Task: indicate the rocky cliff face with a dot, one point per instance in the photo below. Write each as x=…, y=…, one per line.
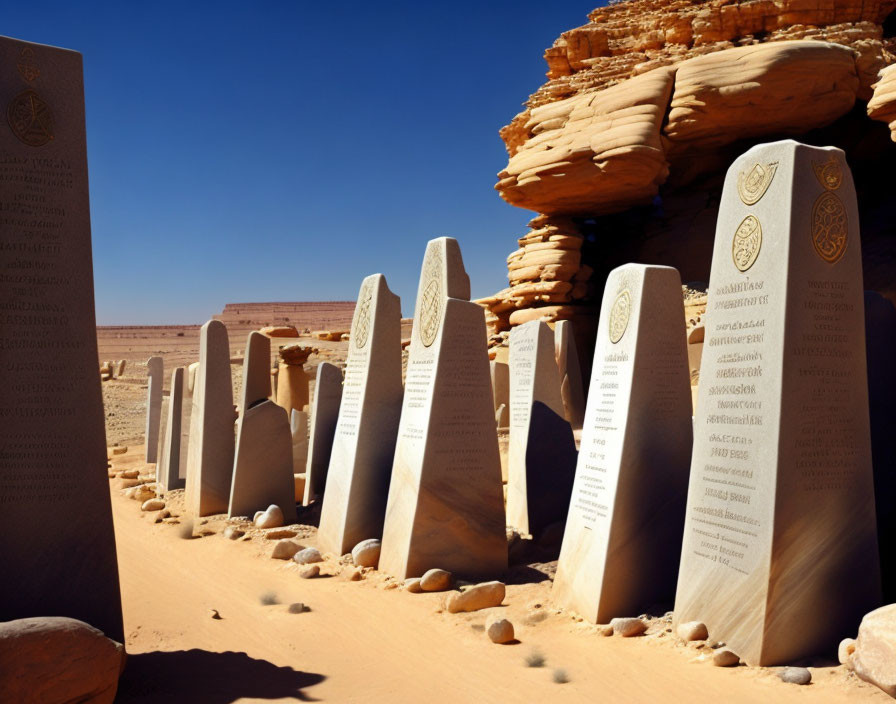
x=623, y=150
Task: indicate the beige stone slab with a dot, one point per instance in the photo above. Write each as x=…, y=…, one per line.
x=541, y=454
x=500, y=375
x=168, y=471
x=57, y=549
x=298, y=427
x=262, y=466
x=446, y=501
x=155, y=372
x=622, y=541
x=324, y=415
x=256, y=371
x=572, y=390
x=210, y=457
x=357, y=485
x=780, y=512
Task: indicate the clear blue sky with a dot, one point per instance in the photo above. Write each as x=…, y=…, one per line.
x=265, y=151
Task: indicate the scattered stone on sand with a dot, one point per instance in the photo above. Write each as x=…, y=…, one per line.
x=152, y=505
x=213, y=613
x=725, y=658
x=280, y=534
x=309, y=571
x=57, y=659
x=280, y=331
x=845, y=650
x=412, y=585
x=692, y=630
x=141, y=493
x=128, y=483
x=308, y=556
x=435, y=580
x=795, y=675
x=129, y=473
x=233, y=533
x=874, y=659
x=356, y=575
x=479, y=596
x=285, y=549
x=119, y=450
x=628, y=627
x=366, y=553
x=605, y=630
x=272, y=517
x=296, y=608
x=499, y=630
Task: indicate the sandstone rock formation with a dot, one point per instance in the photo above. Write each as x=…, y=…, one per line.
x=882, y=105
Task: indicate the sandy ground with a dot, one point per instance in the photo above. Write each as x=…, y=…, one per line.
x=369, y=641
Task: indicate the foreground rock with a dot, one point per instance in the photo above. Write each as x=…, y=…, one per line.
x=435, y=580
x=366, y=553
x=692, y=630
x=308, y=556
x=628, y=627
x=285, y=549
x=272, y=517
x=796, y=675
x=500, y=630
x=479, y=596
x=55, y=659
x=874, y=659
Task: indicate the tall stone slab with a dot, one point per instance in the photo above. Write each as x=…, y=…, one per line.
x=572, y=391
x=542, y=451
x=168, y=470
x=155, y=372
x=780, y=555
x=298, y=427
x=357, y=485
x=210, y=456
x=501, y=392
x=446, y=498
x=622, y=541
x=256, y=371
x=262, y=467
x=58, y=547
x=324, y=415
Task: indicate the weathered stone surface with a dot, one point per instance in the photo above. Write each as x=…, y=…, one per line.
x=307, y=556
x=796, y=675
x=366, y=553
x=271, y=517
x=155, y=371
x=499, y=630
x=874, y=651
x=357, y=485
x=285, y=550
x=324, y=415
x=168, y=471
x=542, y=453
x=723, y=657
x=622, y=541
x=479, y=596
x=766, y=551
x=572, y=388
x=57, y=660
x=58, y=548
x=435, y=580
x=309, y=571
x=628, y=627
x=210, y=458
x=882, y=105
x=152, y=505
x=279, y=331
x=845, y=651
x=692, y=630
x=446, y=506
x=256, y=371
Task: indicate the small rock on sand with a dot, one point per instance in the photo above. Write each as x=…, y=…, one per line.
x=628, y=627
x=308, y=556
x=725, y=658
x=233, y=533
x=119, y=450
x=412, y=585
x=479, y=596
x=845, y=650
x=356, y=575
x=692, y=630
x=130, y=474
x=499, y=630
x=435, y=580
x=296, y=608
x=606, y=630
x=285, y=549
x=213, y=613
x=153, y=505
x=309, y=571
x=280, y=534
x=366, y=553
x=795, y=675
x=272, y=517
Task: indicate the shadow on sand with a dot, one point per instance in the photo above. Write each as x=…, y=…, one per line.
x=193, y=676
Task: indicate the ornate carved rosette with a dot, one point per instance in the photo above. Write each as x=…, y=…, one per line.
x=746, y=243
x=30, y=119
x=431, y=298
x=753, y=184
x=361, y=326
x=830, y=225
x=619, y=315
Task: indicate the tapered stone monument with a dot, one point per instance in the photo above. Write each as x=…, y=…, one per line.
x=155, y=372
x=501, y=392
x=58, y=546
x=324, y=414
x=542, y=451
x=446, y=498
x=572, y=391
x=622, y=541
x=298, y=427
x=256, y=371
x=168, y=470
x=210, y=457
x=357, y=485
x=780, y=554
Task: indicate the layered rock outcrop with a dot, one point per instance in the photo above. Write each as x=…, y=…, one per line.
x=622, y=150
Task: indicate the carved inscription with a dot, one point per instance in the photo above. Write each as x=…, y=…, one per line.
x=619, y=315
x=746, y=243
x=830, y=225
x=361, y=330
x=431, y=302
x=753, y=184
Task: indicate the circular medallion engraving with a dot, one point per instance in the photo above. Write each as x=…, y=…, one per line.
x=829, y=173
x=30, y=119
x=747, y=243
x=361, y=327
x=830, y=228
x=752, y=185
x=431, y=298
x=619, y=315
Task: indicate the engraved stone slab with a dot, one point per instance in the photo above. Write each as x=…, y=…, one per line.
x=571, y=389
x=168, y=470
x=256, y=371
x=155, y=372
x=58, y=546
x=324, y=414
x=500, y=374
x=542, y=451
x=622, y=541
x=446, y=499
x=262, y=467
x=210, y=457
x=357, y=485
x=780, y=521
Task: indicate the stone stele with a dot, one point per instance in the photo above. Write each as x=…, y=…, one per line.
x=168, y=470
x=542, y=450
x=256, y=371
x=324, y=414
x=446, y=499
x=298, y=427
x=58, y=545
x=210, y=456
x=622, y=541
x=572, y=391
x=357, y=485
x=155, y=372
x=779, y=558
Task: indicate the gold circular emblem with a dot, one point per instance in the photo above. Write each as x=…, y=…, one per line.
x=830, y=227
x=829, y=173
x=30, y=119
x=619, y=315
x=431, y=298
x=747, y=243
x=751, y=186
x=361, y=327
